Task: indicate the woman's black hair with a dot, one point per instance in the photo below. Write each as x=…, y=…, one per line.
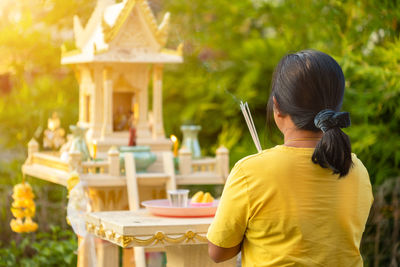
x=309, y=86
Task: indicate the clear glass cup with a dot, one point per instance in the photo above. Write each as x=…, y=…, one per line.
x=178, y=198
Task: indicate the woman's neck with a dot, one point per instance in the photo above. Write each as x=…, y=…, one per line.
x=295, y=137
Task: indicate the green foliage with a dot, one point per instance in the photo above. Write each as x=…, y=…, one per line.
x=21, y=109
x=235, y=45
x=229, y=47
x=56, y=248
x=31, y=34
x=380, y=244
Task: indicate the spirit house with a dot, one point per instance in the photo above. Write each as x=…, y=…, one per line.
x=117, y=53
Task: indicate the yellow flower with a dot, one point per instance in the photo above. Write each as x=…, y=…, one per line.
x=18, y=203
x=28, y=203
x=23, y=206
x=23, y=190
x=23, y=203
x=29, y=225
x=23, y=227
x=16, y=225
x=18, y=213
x=30, y=212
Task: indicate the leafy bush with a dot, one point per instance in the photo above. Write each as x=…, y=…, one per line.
x=56, y=248
x=31, y=34
x=235, y=45
x=380, y=244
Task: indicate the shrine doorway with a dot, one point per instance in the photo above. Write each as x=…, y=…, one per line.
x=123, y=110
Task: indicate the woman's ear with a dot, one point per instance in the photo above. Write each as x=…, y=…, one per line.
x=276, y=108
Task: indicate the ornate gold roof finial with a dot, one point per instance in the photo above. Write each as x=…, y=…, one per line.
x=163, y=29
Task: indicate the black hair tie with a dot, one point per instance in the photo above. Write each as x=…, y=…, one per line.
x=328, y=119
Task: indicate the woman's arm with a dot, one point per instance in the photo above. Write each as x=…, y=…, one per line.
x=220, y=254
x=227, y=230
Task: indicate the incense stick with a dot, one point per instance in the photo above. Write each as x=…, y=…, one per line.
x=254, y=127
x=250, y=124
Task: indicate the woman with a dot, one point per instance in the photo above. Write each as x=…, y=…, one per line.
x=306, y=202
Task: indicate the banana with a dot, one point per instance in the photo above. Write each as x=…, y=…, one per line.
x=207, y=198
x=198, y=197
x=201, y=197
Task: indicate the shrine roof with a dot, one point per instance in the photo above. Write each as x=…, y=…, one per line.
x=125, y=32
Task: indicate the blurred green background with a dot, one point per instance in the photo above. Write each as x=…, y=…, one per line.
x=228, y=46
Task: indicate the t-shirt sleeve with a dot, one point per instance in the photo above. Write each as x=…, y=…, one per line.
x=230, y=222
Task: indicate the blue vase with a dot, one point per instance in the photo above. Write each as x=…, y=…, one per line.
x=142, y=155
x=190, y=141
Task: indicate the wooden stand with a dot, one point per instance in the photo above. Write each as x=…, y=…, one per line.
x=182, y=238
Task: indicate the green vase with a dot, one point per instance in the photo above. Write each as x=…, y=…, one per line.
x=142, y=155
x=79, y=141
x=190, y=140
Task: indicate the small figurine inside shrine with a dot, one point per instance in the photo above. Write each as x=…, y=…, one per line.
x=54, y=134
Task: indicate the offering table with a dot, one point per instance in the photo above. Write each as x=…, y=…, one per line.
x=184, y=239
x=107, y=187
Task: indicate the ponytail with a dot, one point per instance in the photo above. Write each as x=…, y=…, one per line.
x=333, y=151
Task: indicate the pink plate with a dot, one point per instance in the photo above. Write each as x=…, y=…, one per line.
x=195, y=204
x=161, y=207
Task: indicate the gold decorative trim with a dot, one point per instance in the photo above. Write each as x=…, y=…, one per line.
x=91, y=24
x=110, y=32
x=158, y=238
x=150, y=19
x=101, y=51
x=170, y=52
x=162, y=31
x=50, y=163
x=65, y=53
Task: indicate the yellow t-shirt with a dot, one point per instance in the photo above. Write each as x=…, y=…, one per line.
x=291, y=212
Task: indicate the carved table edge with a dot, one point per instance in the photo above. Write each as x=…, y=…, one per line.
x=159, y=238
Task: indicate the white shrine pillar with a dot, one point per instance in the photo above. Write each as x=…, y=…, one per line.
x=97, y=102
x=81, y=104
x=158, y=125
x=142, y=128
x=108, y=102
x=81, y=95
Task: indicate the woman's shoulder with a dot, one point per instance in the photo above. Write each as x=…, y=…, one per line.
x=255, y=157
x=262, y=159
x=359, y=173
x=247, y=168
x=359, y=167
x=278, y=154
